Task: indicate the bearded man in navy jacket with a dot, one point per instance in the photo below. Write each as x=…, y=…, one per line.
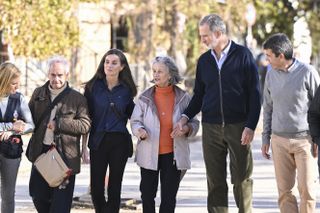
x=227, y=93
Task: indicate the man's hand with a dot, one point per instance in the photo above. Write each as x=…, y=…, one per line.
x=176, y=132
x=5, y=135
x=314, y=150
x=183, y=121
x=247, y=136
x=265, y=151
x=85, y=155
x=51, y=125
x=178, y=128
x=85, y=151
x=142, y=134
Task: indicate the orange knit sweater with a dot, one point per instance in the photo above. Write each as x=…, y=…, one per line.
x=164, y=100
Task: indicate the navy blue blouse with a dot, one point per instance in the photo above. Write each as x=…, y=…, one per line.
x=104, y=116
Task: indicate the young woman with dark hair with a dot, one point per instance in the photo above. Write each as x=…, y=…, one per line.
x=110, y=95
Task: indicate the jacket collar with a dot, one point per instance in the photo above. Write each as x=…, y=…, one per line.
x=45, y=88
x=148, y=95
x=210, y=58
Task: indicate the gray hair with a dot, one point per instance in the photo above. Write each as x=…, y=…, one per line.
x=172, y=68
x=58, y=59
x=214, y=22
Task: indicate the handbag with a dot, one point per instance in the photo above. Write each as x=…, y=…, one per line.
x=12, y=147
x=52, y=167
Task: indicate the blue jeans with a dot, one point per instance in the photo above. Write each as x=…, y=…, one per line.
x=8, y=171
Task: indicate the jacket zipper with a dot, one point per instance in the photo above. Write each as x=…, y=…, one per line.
x=221, y=100
x=220, y=84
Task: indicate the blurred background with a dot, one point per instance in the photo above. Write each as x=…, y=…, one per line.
x=83, y=30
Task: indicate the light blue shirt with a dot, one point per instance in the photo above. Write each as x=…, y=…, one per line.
x=223, y=56
x=26, y=114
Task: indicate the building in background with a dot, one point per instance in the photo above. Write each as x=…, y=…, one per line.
x=302, y=41
x=95, y=39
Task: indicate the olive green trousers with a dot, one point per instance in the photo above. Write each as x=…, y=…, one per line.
x=218, y=142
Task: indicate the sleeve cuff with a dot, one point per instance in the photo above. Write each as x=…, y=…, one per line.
x=8, y=126
x=184, y=115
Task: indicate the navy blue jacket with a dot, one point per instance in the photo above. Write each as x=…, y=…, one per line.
x=230, y=95
x=104, y=118
x=13, y=104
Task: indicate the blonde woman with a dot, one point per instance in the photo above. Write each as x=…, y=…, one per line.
x=15, y=119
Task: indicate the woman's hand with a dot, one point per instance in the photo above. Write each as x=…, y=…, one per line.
x=85, y=155
x=51, y=125
x=5, y=135
x=19, y=126
x=142, y=134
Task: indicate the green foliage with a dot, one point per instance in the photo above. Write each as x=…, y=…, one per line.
x=45, y=27
x=39, y=28
x=279, y=16
x=91, y=1
x=161, y=31
x=311, y=11
x=273, y=16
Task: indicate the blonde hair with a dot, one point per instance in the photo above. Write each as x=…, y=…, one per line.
x=8, y=72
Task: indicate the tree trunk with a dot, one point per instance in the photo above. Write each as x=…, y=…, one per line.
x=4, y=54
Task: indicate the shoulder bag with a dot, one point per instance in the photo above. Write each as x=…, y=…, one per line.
x=52, y=166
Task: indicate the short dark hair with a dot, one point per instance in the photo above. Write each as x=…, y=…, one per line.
x=279, y=43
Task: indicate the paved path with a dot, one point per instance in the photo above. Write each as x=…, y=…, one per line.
x=192, y=193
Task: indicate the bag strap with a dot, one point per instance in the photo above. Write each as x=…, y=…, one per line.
x=115, y=109
x=51, y=106
x=58, y=143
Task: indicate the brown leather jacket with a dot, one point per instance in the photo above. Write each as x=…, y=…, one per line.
x=72, y=122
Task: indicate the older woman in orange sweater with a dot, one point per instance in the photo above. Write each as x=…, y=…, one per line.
x=160, y=151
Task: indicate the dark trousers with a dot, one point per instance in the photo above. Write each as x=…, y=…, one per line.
x=112, y=153
x=47, y=199
x=218, y=141
x=169, y=179
x=319, y=159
